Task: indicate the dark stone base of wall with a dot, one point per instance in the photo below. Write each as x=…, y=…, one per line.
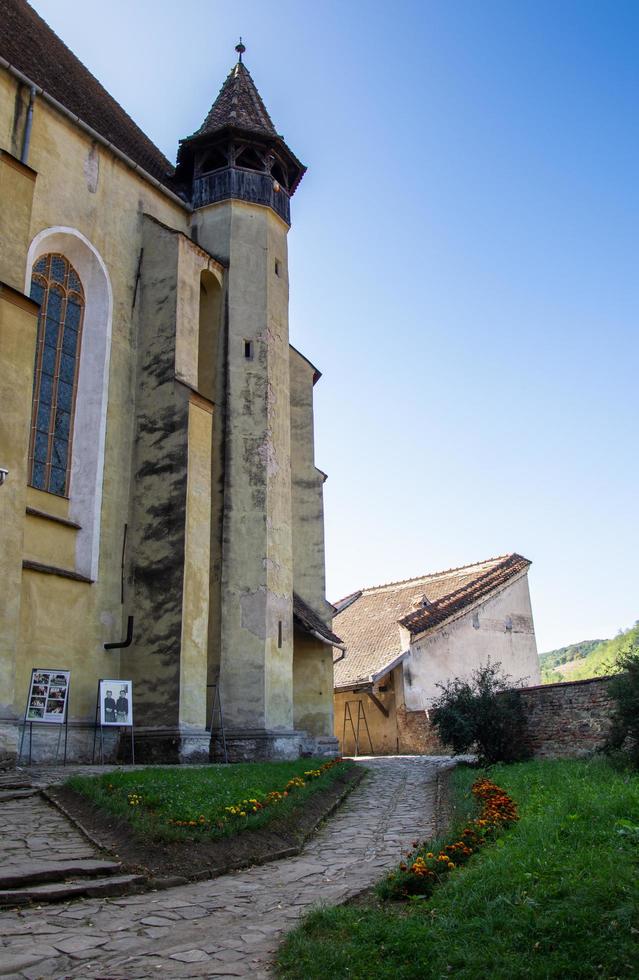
x=45, y=744
x=258, y=745
x=167, y=746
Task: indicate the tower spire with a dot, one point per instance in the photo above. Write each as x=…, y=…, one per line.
x=237, y=153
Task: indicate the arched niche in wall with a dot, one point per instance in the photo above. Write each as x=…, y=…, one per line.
x=209, y=336
x=87, y=457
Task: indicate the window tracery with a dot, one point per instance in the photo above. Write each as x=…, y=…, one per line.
x=56, y=286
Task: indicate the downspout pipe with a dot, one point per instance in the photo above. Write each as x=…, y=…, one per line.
x=123, y=643
x=26, y=139
x=341, y=656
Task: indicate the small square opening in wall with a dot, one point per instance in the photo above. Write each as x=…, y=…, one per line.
x=248, y=350
x=278, y=267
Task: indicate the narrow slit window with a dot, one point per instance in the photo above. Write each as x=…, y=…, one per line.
x=278, y=268
x=248, y=350
x=279, y=634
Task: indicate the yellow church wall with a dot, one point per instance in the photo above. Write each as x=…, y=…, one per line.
x=195, y=601
x=47, y=503
x=159, y=488
x=312, y=685
x=49, y=542
x=80, y=185
x=192, y=262
x=72, y=640
x=17, y=183
x=18, y=324
x=8, y=89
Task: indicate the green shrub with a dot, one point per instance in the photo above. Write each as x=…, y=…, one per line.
x=624, y=689
x=483, y=714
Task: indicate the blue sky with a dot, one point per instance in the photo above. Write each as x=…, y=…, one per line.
x=463, y=265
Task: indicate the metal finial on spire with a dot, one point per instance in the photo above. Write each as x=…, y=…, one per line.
x=240, y=48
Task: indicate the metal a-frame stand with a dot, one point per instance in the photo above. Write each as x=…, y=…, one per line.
x=217, y=706
x=356, y=724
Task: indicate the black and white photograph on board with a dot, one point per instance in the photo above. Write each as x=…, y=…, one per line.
x=116, y=702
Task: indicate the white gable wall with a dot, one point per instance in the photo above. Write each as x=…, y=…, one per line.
x=500, y=629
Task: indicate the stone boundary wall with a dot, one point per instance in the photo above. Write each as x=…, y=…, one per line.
x=416, y=735
x=568, y=719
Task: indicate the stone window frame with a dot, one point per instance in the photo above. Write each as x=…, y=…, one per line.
x=87, y=458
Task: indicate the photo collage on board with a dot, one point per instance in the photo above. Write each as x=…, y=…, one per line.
x=48, y=694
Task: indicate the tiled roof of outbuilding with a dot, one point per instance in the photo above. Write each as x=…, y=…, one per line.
x=308, y=619
x=239, y=104
x=28, y=44
x=370, y=622
x=436, y=612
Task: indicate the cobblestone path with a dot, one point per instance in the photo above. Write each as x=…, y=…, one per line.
x=34, y=831
x=232, y=925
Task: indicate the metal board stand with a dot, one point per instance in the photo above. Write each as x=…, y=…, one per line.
x=217, y=706
x=356, y=725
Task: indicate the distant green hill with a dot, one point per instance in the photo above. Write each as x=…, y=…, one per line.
x=590, y=658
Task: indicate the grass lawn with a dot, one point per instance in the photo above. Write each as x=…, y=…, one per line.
x=557, y=895
x=180, y=802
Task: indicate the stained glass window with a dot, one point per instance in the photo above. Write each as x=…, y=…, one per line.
x=56, y=286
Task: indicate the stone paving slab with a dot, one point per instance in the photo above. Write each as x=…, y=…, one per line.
x=17, y=875
x=232, y=925
x=35, y=832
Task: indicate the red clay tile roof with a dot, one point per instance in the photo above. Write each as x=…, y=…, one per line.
x=29, y=44
x=305, y=617
x=369, y=621
x=436, y=612
x=238, y=104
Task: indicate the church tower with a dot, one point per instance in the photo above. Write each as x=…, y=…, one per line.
x=239, y=176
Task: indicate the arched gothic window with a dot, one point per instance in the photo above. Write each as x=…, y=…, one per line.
x=56, y=286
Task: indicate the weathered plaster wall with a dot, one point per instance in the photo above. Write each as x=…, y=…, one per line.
x=307, y=491
x=312, y=660
x=17, y=185
x=256, y=673
x=383, y=730
x=312, y=685
x=79, y=185
x=195, y=611
x=500, y=629
x=18, y=324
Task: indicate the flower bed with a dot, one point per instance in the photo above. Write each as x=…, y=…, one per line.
x=179, y=803
x=423, y=870
x=238, y=812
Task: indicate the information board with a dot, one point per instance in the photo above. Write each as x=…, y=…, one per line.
x=48, y=698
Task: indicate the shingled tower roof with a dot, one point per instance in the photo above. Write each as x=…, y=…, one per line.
x=238, y=138
x=240, y=105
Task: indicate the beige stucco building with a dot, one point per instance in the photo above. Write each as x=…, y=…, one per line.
x=405, y=638
x=156, y=424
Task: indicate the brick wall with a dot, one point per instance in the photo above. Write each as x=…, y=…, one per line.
x=569, y=719
x=415, y=734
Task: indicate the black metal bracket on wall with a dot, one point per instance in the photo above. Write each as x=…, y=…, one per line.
x=123, y=643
